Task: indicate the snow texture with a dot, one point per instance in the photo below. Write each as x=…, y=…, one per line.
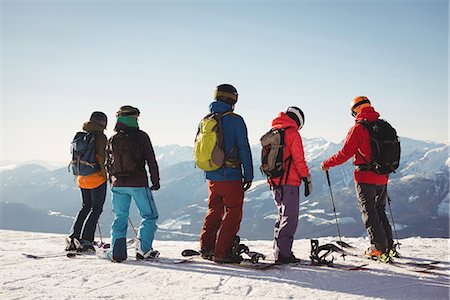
x=88, y=277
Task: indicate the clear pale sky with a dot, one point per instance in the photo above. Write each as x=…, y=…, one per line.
x=61, y=60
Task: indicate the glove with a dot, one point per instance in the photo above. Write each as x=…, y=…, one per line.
x=246, y=185
x=308, y=185
x=322, y=166
x=155, y=187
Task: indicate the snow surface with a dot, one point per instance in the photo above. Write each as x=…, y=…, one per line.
x=90, y=278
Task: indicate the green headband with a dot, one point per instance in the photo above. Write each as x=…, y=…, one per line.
x=129, y=121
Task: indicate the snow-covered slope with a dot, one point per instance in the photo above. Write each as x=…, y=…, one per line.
x=90, y=278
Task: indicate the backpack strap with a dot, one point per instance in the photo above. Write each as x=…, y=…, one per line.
x=82, y=162
x=108, y=159
x=289, y=160
x=367, y=166
x=229, y=162
x=220, y=114
x=287, y=170
x=218, y=117
x=234, y=163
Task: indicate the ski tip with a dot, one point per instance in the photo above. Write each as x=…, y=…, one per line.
x=189, y=252
x=362, y=267
x=344, y=244
x=31, y=256
x=182, y=261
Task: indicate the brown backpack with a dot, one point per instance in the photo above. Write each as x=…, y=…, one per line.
x=125, y=154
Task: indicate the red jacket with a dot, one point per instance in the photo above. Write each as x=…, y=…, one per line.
x=358, y=138
x=294, y=146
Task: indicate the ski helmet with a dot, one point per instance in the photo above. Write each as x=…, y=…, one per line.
x=297, y=115
x=99, y=118
x=226, y=93
x=358, y=103
x=128, y=110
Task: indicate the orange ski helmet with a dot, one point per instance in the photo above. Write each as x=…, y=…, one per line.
x=358, y=103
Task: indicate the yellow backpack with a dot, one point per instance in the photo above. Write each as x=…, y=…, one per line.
x=208, y=147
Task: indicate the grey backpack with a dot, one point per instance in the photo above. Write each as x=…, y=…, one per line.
x=272, y=163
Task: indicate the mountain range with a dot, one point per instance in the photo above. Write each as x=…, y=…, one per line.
x=35, y=198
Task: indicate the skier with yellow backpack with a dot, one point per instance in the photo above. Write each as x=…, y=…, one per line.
x=222, y=150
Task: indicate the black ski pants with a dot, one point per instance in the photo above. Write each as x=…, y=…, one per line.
x=372, y=202
x=92, y=206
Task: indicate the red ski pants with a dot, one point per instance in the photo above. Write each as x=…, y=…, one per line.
x=224, y=216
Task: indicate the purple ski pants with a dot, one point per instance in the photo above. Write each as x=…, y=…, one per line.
x=287, y=200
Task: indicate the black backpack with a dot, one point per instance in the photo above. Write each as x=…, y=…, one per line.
x=272, y=163
x=83, y=148
x=125, y=154
x=385, y=146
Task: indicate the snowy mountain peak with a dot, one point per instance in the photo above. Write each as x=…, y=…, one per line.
x=433, y=161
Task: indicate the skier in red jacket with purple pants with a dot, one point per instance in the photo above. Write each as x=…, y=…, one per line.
x=286, y=189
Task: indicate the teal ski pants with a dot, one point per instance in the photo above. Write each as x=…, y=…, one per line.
x=121, y=200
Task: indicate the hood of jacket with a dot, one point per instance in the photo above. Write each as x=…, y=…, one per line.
x=92, y=127
x=220, y=107
x=284, y=121
x=367, y=113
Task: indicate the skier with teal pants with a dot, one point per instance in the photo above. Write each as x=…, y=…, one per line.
x=129, y=150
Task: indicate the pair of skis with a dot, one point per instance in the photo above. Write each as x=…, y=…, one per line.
x=423, y=266
x=69, y=254
x=78, y=251
x=432, y=267
x=251, y=263
x=254, y=263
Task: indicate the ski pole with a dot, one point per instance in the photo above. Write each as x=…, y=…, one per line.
x=134, y=230
x=334, y=210
x=100, y=232
x=393, y=222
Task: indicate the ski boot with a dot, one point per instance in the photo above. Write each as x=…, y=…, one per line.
x=231, y=259
x=235, y=256
x=87, y=246
x=393, y=252
x=375, y=254
x=150, y=254
x=114, y=259
x=291, y=259
x=73, y=244
x=207, y=254
x=140, y=255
